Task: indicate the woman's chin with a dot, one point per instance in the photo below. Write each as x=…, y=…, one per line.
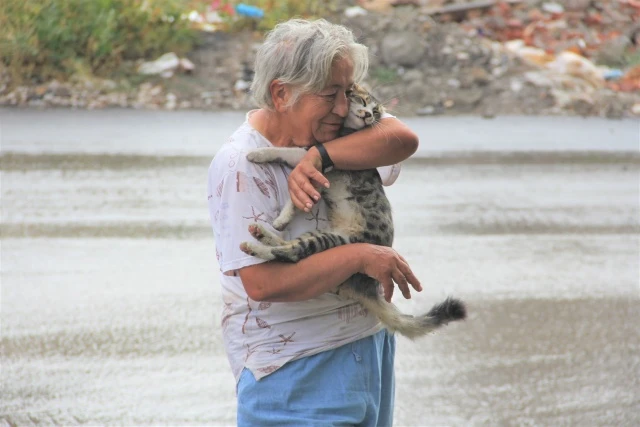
x=328, y=135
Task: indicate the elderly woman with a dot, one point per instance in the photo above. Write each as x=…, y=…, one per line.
x=302, y=355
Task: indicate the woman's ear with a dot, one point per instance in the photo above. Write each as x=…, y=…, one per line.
x=280, y=95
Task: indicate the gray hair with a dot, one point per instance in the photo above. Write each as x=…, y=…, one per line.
x=301, y=53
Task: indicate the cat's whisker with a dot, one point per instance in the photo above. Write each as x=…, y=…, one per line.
x=380, y=127
x=393, y=103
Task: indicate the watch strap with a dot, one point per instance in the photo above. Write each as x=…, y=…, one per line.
x=327, y=163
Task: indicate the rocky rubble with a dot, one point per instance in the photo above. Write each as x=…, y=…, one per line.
x=422, y=62
x=432, y=66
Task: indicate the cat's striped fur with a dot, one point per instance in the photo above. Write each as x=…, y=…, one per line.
x=358, y=212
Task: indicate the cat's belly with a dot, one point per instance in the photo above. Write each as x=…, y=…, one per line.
x=344, y=211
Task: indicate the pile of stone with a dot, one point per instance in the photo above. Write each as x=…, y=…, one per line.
x=603, y=31
x=431, y=67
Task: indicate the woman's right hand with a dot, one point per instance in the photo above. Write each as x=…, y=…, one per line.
x=304, y=179
x=387, y=266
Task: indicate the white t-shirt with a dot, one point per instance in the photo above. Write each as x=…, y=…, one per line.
x=263, y=336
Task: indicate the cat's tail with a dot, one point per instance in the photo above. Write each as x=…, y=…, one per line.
x=450, y=310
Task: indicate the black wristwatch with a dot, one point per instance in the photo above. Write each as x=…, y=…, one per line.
x=327, y=163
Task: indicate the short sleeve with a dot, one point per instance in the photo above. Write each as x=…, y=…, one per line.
x=240, y=197
x=389, y=174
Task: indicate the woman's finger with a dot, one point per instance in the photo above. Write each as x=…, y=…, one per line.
x=298, y=202
x=400, y=279
x=303, y=192
x=317, y=178
x=309, y=189
x=387, y=287
x=408, y=274
x=304, y=201
x=413, y=280
x=298, y=196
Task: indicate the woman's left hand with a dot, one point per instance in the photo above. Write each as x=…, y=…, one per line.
x=304, y=179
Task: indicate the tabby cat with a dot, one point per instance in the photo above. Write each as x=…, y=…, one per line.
x=358, y=212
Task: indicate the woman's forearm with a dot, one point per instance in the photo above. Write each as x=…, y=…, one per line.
x=387, y=143
x=308, y=278
x=325, y=271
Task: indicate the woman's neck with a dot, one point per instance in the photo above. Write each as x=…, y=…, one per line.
x=272, y=126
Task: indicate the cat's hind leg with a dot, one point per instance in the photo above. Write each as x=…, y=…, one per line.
x=267, y=241
x=297, y=249
x=258, y=250
x=264, y=236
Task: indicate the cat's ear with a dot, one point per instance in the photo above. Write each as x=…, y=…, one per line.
x=280, y=95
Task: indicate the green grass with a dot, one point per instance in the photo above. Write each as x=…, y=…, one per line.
x=44, y=39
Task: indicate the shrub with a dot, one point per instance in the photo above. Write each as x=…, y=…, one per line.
x=384, y=75
x=44, y=39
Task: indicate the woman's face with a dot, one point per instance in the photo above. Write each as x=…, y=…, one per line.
x=317, y=118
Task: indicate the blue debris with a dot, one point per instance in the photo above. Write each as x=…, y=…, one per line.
x=250, y=11
x=612, y=74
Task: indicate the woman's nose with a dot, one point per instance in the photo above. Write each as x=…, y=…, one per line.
x=341, y=107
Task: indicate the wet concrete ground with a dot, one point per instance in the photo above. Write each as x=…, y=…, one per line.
x=110, y=304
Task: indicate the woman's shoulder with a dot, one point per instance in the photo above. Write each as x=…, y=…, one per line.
x=232, y=156
x=244, y=138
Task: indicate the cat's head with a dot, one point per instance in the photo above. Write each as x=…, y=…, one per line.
x=364, y=109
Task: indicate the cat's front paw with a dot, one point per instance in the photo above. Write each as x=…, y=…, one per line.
x=285, y=217
x=259, y=155
x=280, y=224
